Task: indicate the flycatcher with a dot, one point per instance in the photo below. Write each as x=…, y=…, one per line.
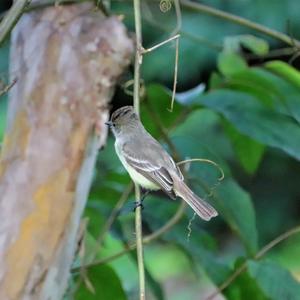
x=148, y=163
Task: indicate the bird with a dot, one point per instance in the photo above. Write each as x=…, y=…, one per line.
x=149, y=164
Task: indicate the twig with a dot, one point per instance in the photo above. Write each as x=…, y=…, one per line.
x=136, y=103
x=259, y=255
x=139, y=243
x=178, y=17
x=160, y=44
x=5, y=89
x=240, y=21
x=204, y=160
x=196, y=38
x=176, y=37
x=175, y=75
x=11, y=18
x=113, y=216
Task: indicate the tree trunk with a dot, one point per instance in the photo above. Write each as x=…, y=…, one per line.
x=67, y=60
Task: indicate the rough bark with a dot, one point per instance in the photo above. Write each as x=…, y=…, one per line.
x=67, y=60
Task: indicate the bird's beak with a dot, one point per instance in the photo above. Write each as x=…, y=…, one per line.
x=109, y=123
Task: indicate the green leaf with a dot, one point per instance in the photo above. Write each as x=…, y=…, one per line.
x=253, y=119
x=157, y=104
x=215, y=80
x=203, y=126
x=200, y=246
x=244, y=287
x=272, y=90
x=284, y=70
x=105, y=283
x=235, y=205
x=276, y=282
x=232, y=202
x=200, y=137
x=253, y=82
x=255, y=44
x=251, y=42
x=249, y=151
x=230, y=63
x=287, y=94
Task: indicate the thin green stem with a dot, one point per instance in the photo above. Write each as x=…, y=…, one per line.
x=178, y=17
x=138, y=56
x=136, y=103
x=139, y=243
x=240, y=21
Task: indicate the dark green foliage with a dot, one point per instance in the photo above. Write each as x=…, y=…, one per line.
x=245, y=287
x=276, y=282
x=105, y=285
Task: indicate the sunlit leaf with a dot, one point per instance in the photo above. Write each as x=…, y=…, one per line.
x=249, y=151
x=285, y=70
x=256, y=45
x=230, y=63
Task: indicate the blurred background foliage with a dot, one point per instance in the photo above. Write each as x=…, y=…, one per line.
x=238, y=104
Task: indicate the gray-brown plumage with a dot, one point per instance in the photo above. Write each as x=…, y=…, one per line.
x=149, y=164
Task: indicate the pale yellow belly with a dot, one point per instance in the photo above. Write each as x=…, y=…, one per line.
x=136, y=176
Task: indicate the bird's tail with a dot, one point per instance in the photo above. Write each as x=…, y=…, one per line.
x=201, y=207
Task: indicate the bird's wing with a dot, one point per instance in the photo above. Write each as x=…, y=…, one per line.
x=153, y=171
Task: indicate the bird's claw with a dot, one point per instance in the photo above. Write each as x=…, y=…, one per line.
x=138, y=204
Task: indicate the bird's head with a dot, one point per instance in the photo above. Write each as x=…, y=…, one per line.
x=122, y=120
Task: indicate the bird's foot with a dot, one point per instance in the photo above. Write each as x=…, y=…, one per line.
x=145, y=193
x=138, y=204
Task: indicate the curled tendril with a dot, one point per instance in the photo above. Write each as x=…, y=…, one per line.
x=127, y=87
x=165, y=5
x=189, y=227
x=204, y=160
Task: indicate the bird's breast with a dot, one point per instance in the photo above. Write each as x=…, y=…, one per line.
x=135, y=175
